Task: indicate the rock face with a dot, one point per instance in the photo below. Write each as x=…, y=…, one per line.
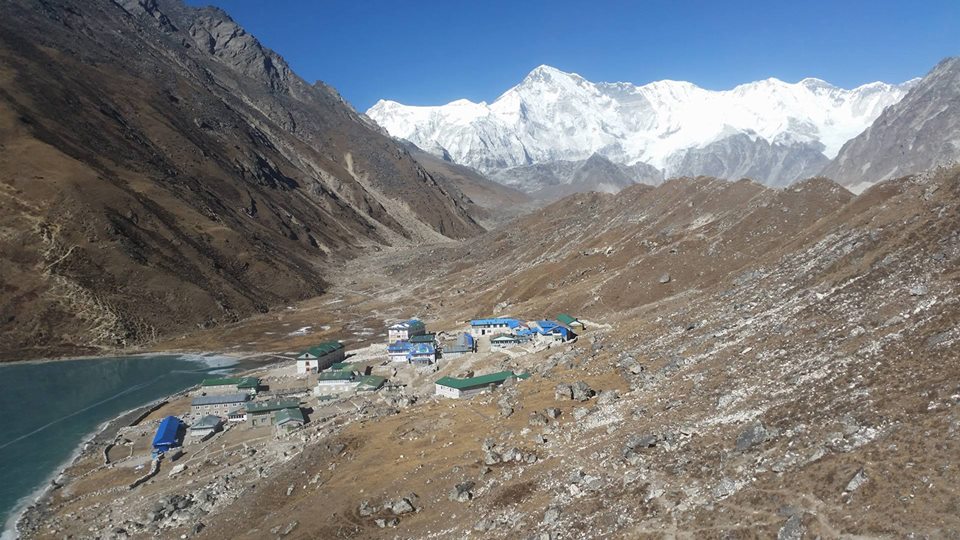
x=159, y=159
x=919, y=132
x=556, y=179
x=740, y=156
x=773, y=131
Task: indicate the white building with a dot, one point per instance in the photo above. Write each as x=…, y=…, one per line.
x=320, y=357
x=462, y=388
x=217, y=404
x=403, y=331
x=488, y=327
x=335, y=382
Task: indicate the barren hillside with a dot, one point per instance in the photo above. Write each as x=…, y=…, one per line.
x=795, y=375
x=162, y=171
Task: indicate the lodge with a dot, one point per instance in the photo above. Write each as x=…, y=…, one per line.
x=206, y=426
x=320, y=357
x=287, y=420
x=217, y=404
x=463, y=388
x=261, y=413
x=243, y=385
x=422, y=354
x=398, y=351
x=571, y=322
x=484, y=327
x=465, y=345
x=335, y=382
x=403, y=331
x=504, y=341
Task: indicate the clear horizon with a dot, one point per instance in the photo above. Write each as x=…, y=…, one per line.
x=430, y=53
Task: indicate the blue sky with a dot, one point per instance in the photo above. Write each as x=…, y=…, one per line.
x=432, y=52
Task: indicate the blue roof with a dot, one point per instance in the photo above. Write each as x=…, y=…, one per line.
x=399, y=346
x=465, y=340
x=423, y=348
x=525, y=332
x=511, y=323
x=167, y=433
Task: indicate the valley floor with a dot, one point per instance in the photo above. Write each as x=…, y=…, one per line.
x=809, y=390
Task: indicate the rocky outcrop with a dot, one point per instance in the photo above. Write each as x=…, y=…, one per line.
x=743, y=156
x=919, y=132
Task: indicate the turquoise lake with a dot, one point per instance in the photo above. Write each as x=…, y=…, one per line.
x=50, y=408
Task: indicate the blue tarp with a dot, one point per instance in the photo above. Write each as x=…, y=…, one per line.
x=168, y=434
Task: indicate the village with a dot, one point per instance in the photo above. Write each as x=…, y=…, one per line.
x=322, y=380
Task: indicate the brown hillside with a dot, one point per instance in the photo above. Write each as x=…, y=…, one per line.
x=161, y=170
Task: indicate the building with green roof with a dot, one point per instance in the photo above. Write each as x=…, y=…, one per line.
x=290, y=419
x=570, y=321
x=461, y=388
x=260, y=413
x=320, y=357
x=370, y=383
x=227, y=385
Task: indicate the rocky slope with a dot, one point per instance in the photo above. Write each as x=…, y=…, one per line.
x=557, y=179
x=919, y=132
x=758, y=363
x=777, y=132
x=161, y=170
x=490, y=203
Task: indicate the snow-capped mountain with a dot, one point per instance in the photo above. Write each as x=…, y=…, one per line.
x=771, y=130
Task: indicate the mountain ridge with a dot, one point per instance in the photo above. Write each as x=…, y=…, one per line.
x=158, y=159
x=552, y=115
x=920, y=132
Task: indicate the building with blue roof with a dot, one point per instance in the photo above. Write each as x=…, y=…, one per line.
x=553, y=330
x=397, y=351
x=168, y=434
x=422, y=354
x=486, y=327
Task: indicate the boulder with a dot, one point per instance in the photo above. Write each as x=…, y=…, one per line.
x=793, y=529
x=462, y=492
x=752, y=436
x=664, y=278
x=402, y=506
x=551, y=515
x=608, y=396
x=858, y=480
x=581, y=391
x=538, y=419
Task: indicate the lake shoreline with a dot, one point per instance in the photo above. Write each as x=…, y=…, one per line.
x=31, y=510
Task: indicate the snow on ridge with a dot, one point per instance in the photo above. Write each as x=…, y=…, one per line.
x=553, y=115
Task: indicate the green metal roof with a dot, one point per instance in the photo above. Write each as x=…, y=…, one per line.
x=243, y=382
x=423, y=338
x=340, y=366
x=335, y=376
x=321, y=349
x=372, y=381
x=482, y=380
x=566, y=319
x=286, y=415
x=272, y=405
